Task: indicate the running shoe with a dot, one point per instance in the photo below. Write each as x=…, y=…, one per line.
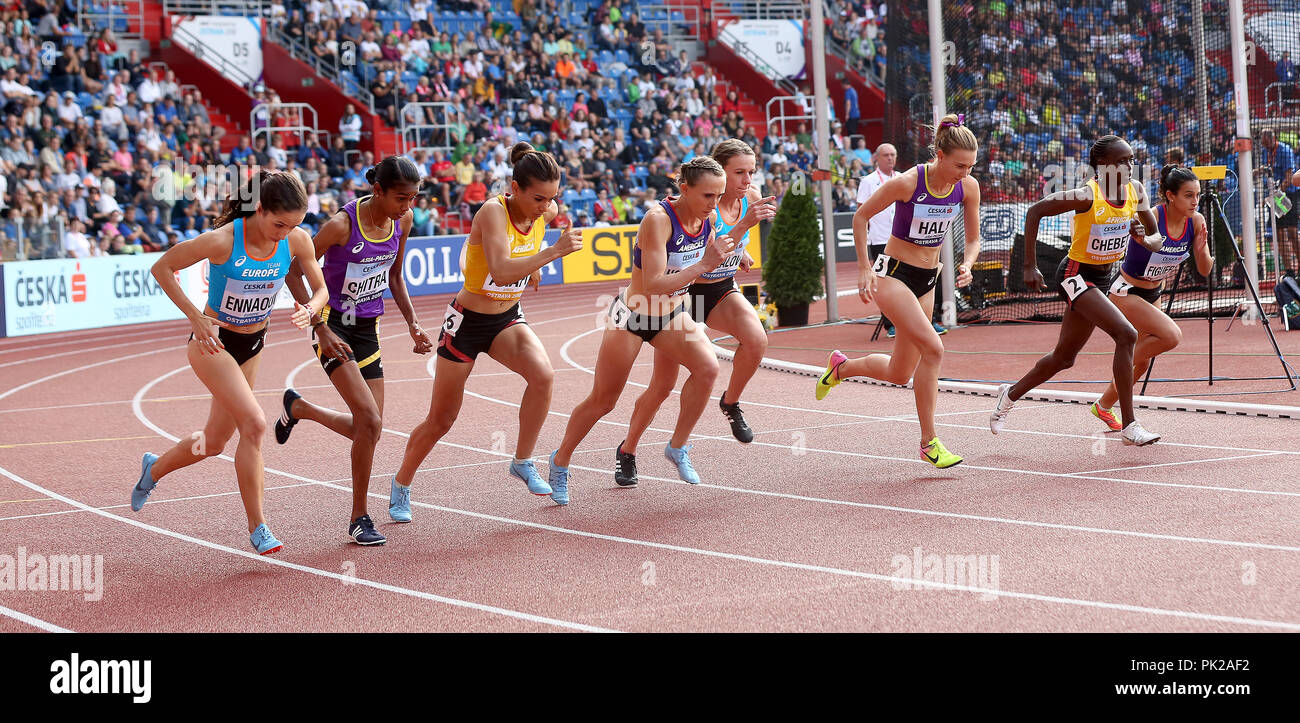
x=739, y=429
x=1136, y=436
x=527, y=472
x=559, y=479
x=284, y=425
x=624, y=468
x=999, y=416
x=830, y=377
x=264, y=542
x=144, y=487
x=1105, y=415
x=939, y=329
x=363, y=531
x=938, y=455
x=681, y=458
x=399, y=501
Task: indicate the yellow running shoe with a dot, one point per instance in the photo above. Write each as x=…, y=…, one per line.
x=1105, y=415
x=831, y=376
x=938, y=455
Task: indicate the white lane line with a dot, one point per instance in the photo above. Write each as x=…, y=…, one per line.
x=1172, y=464
x=349, y=579
x=139, y=413
x=33, y=621
x=1076, y=475
x=794, y=565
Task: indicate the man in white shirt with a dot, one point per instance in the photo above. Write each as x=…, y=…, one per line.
x=77, y=244
x=881, y=225
x=150, y=91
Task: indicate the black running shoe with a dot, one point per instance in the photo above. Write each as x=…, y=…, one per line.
x=284, y=425
x=362, y=530
x=739, y=429
x=624, y=468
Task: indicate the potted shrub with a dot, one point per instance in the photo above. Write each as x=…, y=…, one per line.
x=792, y=261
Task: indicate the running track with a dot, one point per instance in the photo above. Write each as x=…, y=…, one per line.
x=803, y=530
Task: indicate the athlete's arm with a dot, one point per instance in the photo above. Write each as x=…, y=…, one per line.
x=211, y=245
x=397, y=286
x=898, y=188
x=334, y=232
x=536, y=278
x=970, y=189
x=652, y=239
x=304, y=253
x=490, y=223
x=1295, y=178
x=760, y=209
x=1151, y=239
x=1078, y=200
x=1201, y=246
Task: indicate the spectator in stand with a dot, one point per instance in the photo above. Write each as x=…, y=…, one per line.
x=350, y=127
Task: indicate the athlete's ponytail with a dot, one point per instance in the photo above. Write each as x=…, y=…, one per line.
x=1172, y=178
x=953, y=135
x=276, y=191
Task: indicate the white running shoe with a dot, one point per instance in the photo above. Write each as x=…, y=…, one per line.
x=999, y=416
x=1135, y=435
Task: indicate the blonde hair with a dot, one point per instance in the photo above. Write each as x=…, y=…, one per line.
x=953, y=135
x=690, y=173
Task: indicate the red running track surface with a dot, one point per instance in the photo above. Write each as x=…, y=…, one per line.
x=809, y=528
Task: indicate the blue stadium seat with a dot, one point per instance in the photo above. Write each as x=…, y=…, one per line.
x=623, y=56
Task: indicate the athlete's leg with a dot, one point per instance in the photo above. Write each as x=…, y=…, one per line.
x=733, y=315
x=520, y=351
x=232, y=389
x=662, y=381
x=685, y=341
x=1098, y=308
x=1076, y=328
x=894, y=298
x=618, y=351
x=448, y=392
x=1157, y=334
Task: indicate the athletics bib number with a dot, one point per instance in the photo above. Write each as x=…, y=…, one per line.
x=363, y=282
x=451, y=322
x=1074, y=286
x=882, y=261
x=1120, y=287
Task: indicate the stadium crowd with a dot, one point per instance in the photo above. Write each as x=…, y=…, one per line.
x=89, y=135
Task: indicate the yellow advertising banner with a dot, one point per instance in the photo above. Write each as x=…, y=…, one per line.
x=606, y=254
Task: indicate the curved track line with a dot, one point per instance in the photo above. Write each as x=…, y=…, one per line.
x=789, y=565
x=355, y=580
x=34, y=622
x=564, y=353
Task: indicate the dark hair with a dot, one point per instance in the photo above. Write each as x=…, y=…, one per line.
x=530, y=164
x=1172, y=178
x=392, y=171
x=1100, y=148
x=1175, y=154
x=277, y=191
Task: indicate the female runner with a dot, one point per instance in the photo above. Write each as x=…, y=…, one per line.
x=249, y=253
x=928, y=199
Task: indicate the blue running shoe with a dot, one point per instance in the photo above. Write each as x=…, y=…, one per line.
x=559, y=482
x=679, y=457
x=140, y=493
x=363, y=532
x=527, y=472
x=399, y=501
x=263, y=541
